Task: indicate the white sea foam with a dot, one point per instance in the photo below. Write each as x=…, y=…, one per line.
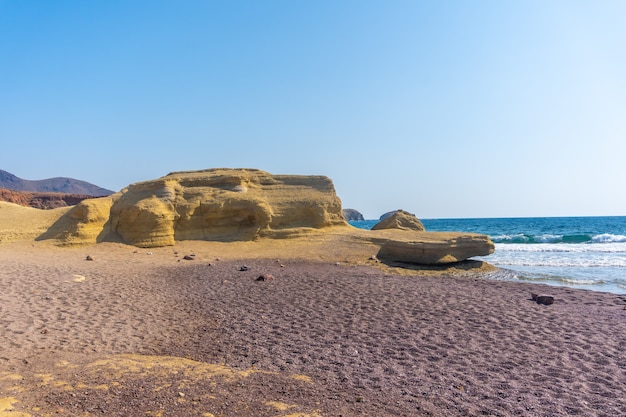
x=518, y=237
x=579, y=255
x=582, y=281
x=561, y=262
x=614, y=247
x=608, y=238
x=562, y=280
x=548, y=238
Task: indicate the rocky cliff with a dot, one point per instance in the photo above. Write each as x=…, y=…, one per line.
x=43, y=201
x=215, y=204
x=227, y=205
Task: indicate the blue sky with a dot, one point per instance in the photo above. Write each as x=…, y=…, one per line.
x=444, y=109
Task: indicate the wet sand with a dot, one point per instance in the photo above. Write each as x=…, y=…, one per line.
x=140, y=332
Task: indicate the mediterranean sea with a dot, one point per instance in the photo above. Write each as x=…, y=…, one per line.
x=579, y=252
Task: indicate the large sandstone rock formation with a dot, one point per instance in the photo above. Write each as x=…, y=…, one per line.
x=228, y=205
x=215, y=204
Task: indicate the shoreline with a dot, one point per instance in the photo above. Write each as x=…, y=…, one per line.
x=129, y=332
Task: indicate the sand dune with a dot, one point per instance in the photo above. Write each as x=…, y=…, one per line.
x=19, y=223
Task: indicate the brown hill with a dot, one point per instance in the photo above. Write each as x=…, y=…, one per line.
x=52, y=185
x=44, y=201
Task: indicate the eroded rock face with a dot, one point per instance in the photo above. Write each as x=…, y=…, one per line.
x=245, y=204
x=215, y=204
x=86, y=222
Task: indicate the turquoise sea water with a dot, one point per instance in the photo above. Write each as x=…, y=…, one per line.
x=580, y=252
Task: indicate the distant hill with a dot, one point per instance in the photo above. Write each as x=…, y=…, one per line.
x=43, y=201
x=51, y=185
x=352, y=215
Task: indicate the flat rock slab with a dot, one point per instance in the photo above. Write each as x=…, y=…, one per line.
x=433, y=248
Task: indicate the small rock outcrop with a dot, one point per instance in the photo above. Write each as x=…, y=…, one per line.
x=400, y=219
x=352, y=215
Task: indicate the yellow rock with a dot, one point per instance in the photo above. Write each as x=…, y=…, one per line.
x=86, y=222
x=402, y=220
x=431, y=248
x=244, y=205
x=215, y=204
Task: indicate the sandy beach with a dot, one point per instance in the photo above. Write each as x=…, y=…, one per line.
x=138, y=332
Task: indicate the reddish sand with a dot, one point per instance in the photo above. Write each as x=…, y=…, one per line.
x=140, y=332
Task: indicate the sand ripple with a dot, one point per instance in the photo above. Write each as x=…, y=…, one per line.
x=320, y=339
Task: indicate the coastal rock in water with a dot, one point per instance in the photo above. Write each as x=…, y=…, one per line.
x=400, y=219
x=214, y=204
x=352, y=215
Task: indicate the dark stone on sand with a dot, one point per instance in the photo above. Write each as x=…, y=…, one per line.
x=89, y=258
x=244, y=268
x=543, y=299
x=188, y=257
x=265, y=277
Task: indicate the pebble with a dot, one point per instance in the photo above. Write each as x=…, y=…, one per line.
x=265, y=277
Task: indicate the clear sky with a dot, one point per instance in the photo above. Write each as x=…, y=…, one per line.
x=442, y=108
